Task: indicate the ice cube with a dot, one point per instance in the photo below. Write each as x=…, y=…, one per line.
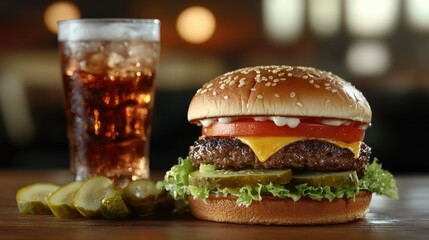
x=119, y=47
x=135, y=49
x=93, y=47
x=72, y=66
x=114, y=59
x=96, y=63
x=140, y=54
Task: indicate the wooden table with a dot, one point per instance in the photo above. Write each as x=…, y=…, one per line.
x=407, y=218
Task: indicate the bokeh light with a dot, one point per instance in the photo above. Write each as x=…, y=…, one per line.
x=283, y=19
x=59, y=11
x=368, y=58
x=417, y=14
x=325, y=17
x=196, y=24
x=371, y=18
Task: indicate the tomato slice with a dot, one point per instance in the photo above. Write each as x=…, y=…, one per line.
x=268, y=128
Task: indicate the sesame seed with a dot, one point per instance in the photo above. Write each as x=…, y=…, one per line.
x=290, y=74
x=281, y=74
x=305, y=76
x=316, y=86
x=274, y=84
x=222, y=86
x=327, y=88
x=270, y=77
x=292, y=94
x=204, y=91
x=267, y=84
x=311, y=81
x=209, y=85
x=242, y=79
x=264, y=79
x=276, y=80
x=334, y=90
x=241, y=85
x=276, y=95
x=214, y=93
x=232, y=83
x=225, y=97
x=253, y=89
x=299, y=104
x=199, y=90
x=236, y=77
x=327, y=84
x=282, y=79
x=260, y=96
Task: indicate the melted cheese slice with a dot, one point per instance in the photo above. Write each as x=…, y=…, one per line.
x=265, y=147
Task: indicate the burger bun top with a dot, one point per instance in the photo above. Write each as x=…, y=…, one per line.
x=279, y=91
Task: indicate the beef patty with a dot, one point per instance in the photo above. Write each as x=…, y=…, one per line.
x=315, y=155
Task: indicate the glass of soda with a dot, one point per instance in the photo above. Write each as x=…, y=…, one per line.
x=108, y=68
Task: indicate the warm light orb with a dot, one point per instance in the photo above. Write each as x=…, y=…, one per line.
x=324, y=17
x=417, y=14
x=368, y=58
x=196, y=24
x=371, y=18
x=283, y=20
x=59, y=11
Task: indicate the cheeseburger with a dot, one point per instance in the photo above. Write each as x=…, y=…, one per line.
x=279, y=145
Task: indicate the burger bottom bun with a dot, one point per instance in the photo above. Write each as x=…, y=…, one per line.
x=276, y=211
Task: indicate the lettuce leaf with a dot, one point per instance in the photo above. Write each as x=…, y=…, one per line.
x=176, y=179
x=379, y=181
x=375, y=179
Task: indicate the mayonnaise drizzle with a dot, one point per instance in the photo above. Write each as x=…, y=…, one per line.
x=336, y=122
x=225, y=120
x=207, y=122
x=279, y=121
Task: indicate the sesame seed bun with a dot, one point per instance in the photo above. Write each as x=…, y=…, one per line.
x=279, y=91
x=276, y=211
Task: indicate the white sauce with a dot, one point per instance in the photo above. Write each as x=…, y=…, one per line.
x=225, y=120
x=260, y=119
x=335, y=122
x=207, y=122
x=281, y=121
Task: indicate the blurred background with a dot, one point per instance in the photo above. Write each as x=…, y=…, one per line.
x=381, y=46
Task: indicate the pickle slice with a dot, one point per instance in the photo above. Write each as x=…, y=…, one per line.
x=89, y=198
x=61, y=201
x=114, y=207
x=141, y=196
x=322, y=179
x=33, y=199
x=235, y=179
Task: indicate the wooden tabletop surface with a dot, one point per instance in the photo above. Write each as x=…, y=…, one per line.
x=407, y=218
